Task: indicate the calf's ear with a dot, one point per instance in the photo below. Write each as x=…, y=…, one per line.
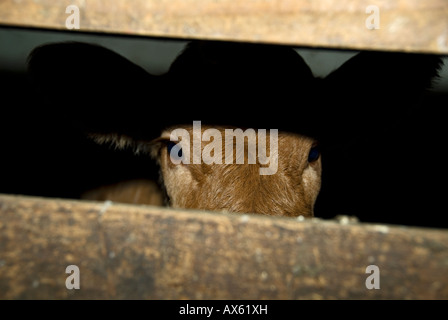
x=387, y=70
x=152, y=148
x=373, y=90
x=95, y=89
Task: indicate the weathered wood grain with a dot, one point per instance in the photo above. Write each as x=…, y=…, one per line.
x=138, y=252
x=412, y=26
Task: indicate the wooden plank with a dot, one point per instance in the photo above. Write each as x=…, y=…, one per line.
x=125, y=252
x=412, y=26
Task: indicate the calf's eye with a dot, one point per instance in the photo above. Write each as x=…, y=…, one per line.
x=314, y=154
x=174, y=150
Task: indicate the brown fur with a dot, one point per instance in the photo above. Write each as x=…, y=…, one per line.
x=291, y=191
x=132, y=191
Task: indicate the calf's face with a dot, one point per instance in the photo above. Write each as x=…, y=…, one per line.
x=235, y=181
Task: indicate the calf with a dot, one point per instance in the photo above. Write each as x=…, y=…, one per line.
x=235, y=183
x=365, y=115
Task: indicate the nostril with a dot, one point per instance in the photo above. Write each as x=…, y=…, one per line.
x=314, y=154
x=174, y=150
